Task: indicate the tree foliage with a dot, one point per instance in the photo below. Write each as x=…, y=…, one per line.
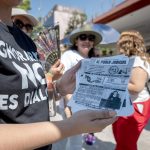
x=26, y=5
x=37, y=30
x=76, y=20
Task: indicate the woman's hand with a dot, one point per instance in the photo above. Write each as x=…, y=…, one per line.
x=66, y=84
x=57, y=70
x=88, y=121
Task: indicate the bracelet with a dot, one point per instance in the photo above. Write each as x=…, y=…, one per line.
x=50, y=74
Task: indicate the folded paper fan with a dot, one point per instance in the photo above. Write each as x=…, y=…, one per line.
x=48, y=43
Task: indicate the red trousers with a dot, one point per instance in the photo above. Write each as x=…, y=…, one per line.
x=128, y=129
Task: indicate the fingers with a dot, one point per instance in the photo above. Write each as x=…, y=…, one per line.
x=76, y=67
x=57, y=68
x=56, y=63
x=103, y=114
x=104, y=118
x=102, y=123
x=60, y=68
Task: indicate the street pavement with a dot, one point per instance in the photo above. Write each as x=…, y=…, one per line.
x=105, y=140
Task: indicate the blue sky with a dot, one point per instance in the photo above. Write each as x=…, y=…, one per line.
x=92, y=8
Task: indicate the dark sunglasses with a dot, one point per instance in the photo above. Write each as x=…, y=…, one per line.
x=84, y=37
x=20, y=25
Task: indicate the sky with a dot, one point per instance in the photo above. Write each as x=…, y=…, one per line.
x=92, y=8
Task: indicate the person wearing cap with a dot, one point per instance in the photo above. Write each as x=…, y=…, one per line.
x=23, y=20
x=24, y=114
x=83, y=40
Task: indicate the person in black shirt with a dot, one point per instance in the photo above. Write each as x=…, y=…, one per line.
x=24, y=114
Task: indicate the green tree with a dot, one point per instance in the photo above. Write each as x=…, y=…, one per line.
x=36, y=30
x=76, y=20
x=26, y=5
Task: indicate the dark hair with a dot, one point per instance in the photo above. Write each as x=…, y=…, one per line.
x=90, y=54
x=111, y=94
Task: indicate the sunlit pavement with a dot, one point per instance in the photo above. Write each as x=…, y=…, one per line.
x=105, y=140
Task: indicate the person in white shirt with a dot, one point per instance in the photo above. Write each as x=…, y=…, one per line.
x=83, y=42
x=128, y=129
x=25, y=124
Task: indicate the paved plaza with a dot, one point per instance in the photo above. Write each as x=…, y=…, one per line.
x=105, y=140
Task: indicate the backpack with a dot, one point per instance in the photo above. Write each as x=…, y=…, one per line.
x=148, y=86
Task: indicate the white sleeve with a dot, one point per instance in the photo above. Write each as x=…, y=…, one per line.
x=66, y=60
x=143, y=64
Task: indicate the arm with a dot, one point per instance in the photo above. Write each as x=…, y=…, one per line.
x=137, y=80
x=66, y=84
x=67, y=109
x=34, y=135
x=54, y=73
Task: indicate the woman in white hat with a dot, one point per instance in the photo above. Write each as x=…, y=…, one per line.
x=23, y=20
x=24, y=114
x=83, y=41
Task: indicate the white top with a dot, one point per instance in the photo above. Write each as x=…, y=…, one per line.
x=143, y=95
x=69, y=58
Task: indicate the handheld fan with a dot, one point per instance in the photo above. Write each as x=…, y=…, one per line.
x=48, y=43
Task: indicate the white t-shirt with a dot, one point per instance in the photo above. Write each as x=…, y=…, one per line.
x=69, y=58
x=143, y=95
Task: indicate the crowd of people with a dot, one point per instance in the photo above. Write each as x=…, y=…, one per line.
x=27, y=89
x=24, y=111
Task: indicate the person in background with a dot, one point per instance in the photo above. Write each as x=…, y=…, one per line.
x=96, y=52
x=83, y=42
x=23, y=20
x=24, y=118
x=128, y=129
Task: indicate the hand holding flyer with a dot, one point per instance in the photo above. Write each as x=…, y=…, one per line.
x=101, y=83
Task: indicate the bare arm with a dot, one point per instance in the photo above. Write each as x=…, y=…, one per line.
x=67, y=110
x=31, y=136
x=138, y=80
x=34, y=135
x=66, y=84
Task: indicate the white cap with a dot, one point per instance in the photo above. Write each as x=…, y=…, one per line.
x=21, y=12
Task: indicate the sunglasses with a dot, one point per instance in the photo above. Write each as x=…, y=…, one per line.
x=20, y=25
x=84, y=37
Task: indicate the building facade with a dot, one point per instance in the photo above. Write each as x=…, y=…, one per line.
x=60, y=15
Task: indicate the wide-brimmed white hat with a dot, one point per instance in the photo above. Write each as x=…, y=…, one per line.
x=21, y=12
x=86, y=29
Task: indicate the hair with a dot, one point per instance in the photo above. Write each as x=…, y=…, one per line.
x=111, y=94
x=90, y=54
x=132, y=44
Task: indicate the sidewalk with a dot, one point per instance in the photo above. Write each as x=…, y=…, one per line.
x=105, y=140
